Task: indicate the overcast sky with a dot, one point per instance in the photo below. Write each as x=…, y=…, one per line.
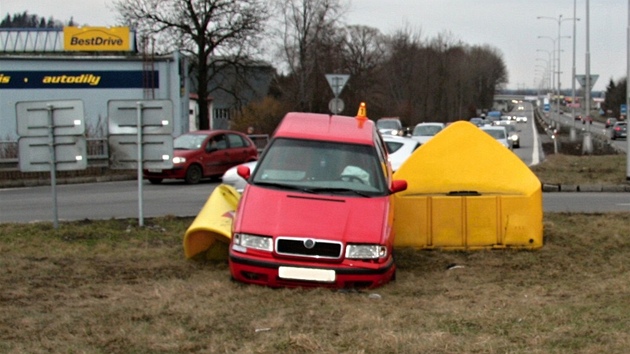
x=511, y=26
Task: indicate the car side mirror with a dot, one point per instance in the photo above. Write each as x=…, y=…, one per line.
x=398, y=185
x=243, y=171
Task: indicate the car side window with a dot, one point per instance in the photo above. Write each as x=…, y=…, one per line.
x=217, y=143
x=236, y=141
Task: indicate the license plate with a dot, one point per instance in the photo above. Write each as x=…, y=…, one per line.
x=310, y=274
x=153, y=170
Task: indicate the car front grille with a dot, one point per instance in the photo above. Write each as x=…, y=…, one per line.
x=308, y=247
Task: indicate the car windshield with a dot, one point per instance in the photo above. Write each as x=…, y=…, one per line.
x=188, y=141
x=321, y=167
x=496, y=133
x=426, y=130
x=388, y=124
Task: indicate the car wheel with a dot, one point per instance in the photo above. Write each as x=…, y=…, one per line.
x=193, y=174
x=155, y=180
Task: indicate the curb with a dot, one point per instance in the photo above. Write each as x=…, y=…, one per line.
x=586, y=188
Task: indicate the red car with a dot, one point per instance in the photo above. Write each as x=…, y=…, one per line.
x=205, y=154
x=318, y=209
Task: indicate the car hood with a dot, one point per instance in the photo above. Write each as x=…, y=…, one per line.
x=346, y=219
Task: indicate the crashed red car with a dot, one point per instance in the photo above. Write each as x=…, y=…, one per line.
x=318, y=209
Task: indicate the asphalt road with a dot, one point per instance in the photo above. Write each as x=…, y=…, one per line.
x=121, y=200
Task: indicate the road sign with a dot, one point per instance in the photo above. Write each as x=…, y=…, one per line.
x=336, y=105
x=623, y=110
x=157, y=116
x=34, y=118
x=157, y=152
x=337, y=82
x=35, y=154
x=582, y=80
x=547, y=107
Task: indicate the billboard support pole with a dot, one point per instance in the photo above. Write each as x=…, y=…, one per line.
x=53, y=164
x=139, y=169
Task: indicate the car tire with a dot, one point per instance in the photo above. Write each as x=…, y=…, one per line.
x=155, y=180
x=193, y=174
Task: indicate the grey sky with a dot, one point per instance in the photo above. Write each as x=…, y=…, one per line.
x=511, y=26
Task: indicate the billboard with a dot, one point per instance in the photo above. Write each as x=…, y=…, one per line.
x=96, y=39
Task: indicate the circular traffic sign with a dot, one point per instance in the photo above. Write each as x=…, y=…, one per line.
x=336, y=105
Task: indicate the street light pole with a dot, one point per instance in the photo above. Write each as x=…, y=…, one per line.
x=573, y=74
x=628, y=92
x=559, y=20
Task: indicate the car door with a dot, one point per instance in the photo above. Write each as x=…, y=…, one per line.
x=239, y=150
x=216, y=157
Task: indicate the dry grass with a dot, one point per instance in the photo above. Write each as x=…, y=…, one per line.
x=573, y=169
x=109, y=287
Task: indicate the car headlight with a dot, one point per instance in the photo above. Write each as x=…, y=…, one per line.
x=177, y=160
x=257, y=242
x=514, y=137
x=366, y=251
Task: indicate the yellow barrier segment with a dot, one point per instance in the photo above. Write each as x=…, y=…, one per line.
x=467, y=191
x=211, y=230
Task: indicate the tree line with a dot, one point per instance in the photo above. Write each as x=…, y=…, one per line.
x=26, y=20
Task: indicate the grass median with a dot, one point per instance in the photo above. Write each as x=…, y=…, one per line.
x=112, y=287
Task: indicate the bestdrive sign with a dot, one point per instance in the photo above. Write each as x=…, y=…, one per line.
x=96, y=39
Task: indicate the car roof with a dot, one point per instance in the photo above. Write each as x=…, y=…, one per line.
x=317, y=126
x=430, y=123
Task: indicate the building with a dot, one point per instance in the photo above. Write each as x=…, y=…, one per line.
x=91, y=64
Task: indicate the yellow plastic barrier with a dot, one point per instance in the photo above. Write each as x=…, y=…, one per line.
x=467, y=191
x=210, y=232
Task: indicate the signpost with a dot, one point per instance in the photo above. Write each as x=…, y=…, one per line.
x=140, y=137
x=337, y=83
x=51, y=139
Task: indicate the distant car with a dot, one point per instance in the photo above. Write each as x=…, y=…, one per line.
x=513, y=135
x=478, y=121
x=205, y=154
x=610, y=122
x=619, y=130
x=499, y=133
x=390, y=126
x=578, y=117
x=231, y=177
x=399, y=149
x=521, y=119
x=423, y=132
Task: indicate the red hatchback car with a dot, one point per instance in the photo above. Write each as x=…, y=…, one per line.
x=205, y=154
x=318, y=208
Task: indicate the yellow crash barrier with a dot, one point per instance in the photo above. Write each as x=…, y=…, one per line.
x=211, y=230
x=467, y=191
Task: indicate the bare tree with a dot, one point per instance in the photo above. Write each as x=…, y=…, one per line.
x=364, y=54
x=306, y=24
x=216, y=34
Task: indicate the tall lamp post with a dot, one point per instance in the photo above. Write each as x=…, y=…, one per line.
x=549, y=71
x=559, y=20
x=628, y=92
